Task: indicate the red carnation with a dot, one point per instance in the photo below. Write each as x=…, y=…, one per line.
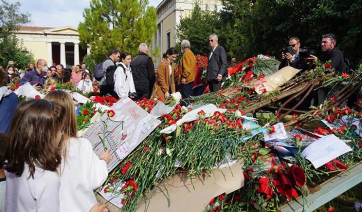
x=330, y=209
x=126, y=167
x=37, y=97
x=110, y=113
x=52, y=89
x=201, y=112
x=327, y=66
x=298, y=137
x=85, y=112
x=271, y=129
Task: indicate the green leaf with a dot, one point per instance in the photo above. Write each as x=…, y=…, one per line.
x=264, y=151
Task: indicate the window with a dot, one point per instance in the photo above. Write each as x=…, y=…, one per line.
x=168, y=37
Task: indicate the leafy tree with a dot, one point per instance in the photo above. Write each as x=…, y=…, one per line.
x=263, y=26
x=197, y=27
x=10, y=47
x=122, y=24
x=89, y=61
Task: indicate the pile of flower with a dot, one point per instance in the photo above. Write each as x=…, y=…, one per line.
x=104, y=100
x=196, y=147
x=85, y=113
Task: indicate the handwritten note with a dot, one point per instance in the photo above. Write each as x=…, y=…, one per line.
x=279, y=133
x=122, y=133
x=324, y=150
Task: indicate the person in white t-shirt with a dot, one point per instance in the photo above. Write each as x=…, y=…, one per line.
x=123, y=79
x=33, y=155
x=82, y=170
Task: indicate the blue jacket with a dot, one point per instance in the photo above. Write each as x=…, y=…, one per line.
x=8, y=105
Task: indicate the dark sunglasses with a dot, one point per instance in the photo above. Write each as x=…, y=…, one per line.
x=211, y=40
x=293, y=45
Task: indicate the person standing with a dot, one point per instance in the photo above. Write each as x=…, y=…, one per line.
x=332, y=53
x=186, y=69
x=165, y=84
x=8, y=102
x=217, y=65
x=85, y=84
x=36, y=77
x=143, y=72
x=76, y=75
x=109, y=67
x=123, y=79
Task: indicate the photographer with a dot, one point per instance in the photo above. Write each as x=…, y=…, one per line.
x=332, y=53
x=290, y=55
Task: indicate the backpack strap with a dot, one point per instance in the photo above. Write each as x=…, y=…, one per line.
x=124, y=69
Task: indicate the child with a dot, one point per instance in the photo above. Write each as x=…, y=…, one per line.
x=81, y=169
x=50, y=84
x=95, y=87
x=3, y=139
x=33, y=155
x=85, y=84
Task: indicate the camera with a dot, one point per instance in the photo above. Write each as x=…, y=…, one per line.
x=287, y=49
x=305, y=52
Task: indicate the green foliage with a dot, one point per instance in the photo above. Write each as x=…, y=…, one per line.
x=197, y=28
x=122, y=24
x=10, y=47
x=248, y=28
x=90, y=62
x=155, y=54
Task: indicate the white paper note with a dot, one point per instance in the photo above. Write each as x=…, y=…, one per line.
x=279, y=133
x=324, y=150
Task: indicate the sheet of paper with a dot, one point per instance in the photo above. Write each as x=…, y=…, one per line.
x=353, y=121
x=111, y=197
x=121, y=133
x=324, y=150
x=279, y=133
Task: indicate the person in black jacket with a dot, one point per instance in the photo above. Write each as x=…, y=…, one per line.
x=291, y=57
x=332, y=53
x=217, y=65
x=143, y=72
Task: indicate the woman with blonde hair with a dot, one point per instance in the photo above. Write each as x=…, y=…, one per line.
x=165, y=84
x=82, y=170
x=50, y=83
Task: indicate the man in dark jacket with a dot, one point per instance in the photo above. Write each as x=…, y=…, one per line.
x=143, y=72
x=217, y=65
x=332, y=53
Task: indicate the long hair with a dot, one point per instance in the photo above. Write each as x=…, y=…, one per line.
x=63, y=98
x=3, y=77
x=34, y=137
x=3, y=141
x=67, y=74
x=50, y=82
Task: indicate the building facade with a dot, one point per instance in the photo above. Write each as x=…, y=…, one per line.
x=169, y=14
x=56, y=45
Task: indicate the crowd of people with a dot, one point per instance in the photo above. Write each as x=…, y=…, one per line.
x=46, y=166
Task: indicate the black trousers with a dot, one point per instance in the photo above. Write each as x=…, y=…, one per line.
x=106, y=90
x=214, y=85
x=186, y=90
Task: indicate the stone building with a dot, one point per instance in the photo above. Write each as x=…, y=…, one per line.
x=169, y=14
x=56, y=45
